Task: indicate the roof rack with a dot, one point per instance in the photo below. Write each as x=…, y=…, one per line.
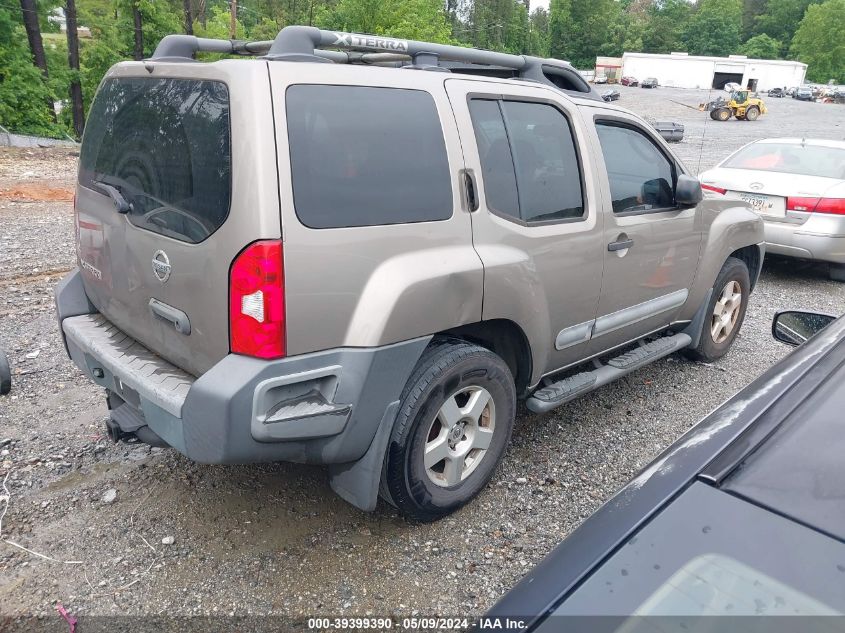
x=310, y=44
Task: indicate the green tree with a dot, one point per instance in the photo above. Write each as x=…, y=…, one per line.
x=781, y=19
x=561, y=30
x=819, y=41
x=714, y=28
x=665, y=26
x=751, y=10
x=761, y=47
x=23, y=92
x=538, y=33
x=409, y=19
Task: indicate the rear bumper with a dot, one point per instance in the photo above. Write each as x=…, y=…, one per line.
x=320, y=408
x=821, y=237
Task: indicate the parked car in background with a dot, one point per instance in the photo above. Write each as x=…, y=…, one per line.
x=600, y=79
x=743, y=516
x=804, y=93
x=649, y=82
x=610, y=95
x=791, y=91
x=546, y=244
x=777, y=92
x=798, y=188
x=629, y=81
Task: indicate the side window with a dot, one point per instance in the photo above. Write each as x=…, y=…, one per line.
x=641, y=177
x=364, y=156
x=528, y=160
x=495, y=154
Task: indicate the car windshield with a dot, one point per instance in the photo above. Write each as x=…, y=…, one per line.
x=790, y=158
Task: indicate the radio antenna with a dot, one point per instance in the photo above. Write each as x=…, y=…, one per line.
x=703, y=134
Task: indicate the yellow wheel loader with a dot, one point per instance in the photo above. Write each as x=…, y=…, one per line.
x=741, y=105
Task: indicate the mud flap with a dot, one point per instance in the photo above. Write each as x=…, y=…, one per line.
x=358, y=482
x=696, y=326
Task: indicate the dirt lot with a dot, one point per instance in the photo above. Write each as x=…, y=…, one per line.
x=132, y=531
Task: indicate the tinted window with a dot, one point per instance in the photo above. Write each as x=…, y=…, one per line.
x=528, y=160
x=164, y=143
x=791, y=158
x=641, y=177
x=496, y=162
x=363, y=156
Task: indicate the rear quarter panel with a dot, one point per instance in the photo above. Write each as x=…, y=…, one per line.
x=374, y=285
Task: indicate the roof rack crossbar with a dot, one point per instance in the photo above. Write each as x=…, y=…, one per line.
x=309, y=44
x=302, y=41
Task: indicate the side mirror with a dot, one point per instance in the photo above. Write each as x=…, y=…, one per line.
x=688, y=191
x=794, y=327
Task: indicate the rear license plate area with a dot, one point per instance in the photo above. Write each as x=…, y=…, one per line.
x=765, y=205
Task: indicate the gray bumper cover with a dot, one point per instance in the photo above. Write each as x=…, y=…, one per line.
x=333, y=407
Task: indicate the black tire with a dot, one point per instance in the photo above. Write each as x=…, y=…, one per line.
x=446, y=368
x=752, y=113
x=709, y=348
x=837, y=272
x=723, y=114
x=713, y=115
x=5, y=375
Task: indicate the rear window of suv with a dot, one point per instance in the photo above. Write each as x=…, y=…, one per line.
x=165, y=145
x=365, y=156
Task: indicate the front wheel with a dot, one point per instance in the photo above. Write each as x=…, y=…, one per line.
x=726, y=311
x=723, y=114
x=453, y=426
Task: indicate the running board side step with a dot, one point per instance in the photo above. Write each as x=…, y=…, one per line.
x=557, y=393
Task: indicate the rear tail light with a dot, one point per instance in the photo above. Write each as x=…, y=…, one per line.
x=816, y=205
x=714, y=189
x=257, y=301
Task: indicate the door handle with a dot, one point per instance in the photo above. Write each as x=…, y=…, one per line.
x=621, y=245
x=178, y=318
x=470, y=190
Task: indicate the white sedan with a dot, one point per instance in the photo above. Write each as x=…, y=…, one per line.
x=798, y=188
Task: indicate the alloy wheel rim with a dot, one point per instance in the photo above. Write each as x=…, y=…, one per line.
x=726, y=312
x=459, y=436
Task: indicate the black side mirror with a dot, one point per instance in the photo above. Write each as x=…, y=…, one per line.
x=687, y=191
x=794, y=327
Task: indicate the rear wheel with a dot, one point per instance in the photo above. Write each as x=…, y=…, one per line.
x=726, y=311
x=452, y=429
x=752, y=113
x=5, y=375
x=837, y=272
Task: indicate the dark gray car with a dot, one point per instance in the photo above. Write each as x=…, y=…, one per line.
x=743, y=516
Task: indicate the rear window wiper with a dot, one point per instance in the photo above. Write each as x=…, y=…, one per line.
x=121, y=204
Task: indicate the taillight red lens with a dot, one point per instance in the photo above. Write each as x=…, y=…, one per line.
x=801, y=204
x=831, y=205
x=257, y=301
x=817, y=205
x=714, y=189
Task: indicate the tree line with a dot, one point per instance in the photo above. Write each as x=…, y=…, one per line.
x=40, y=65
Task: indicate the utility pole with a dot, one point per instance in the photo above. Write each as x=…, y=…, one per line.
x=76, y=104
x=233, y=19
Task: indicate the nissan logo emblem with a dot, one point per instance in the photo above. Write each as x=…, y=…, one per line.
x=161, y=266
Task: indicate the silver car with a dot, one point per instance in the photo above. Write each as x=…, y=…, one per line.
x=798, y=188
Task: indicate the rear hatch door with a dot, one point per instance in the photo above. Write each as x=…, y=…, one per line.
x=186, y=147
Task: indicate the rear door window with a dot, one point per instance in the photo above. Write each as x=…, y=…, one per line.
x=364, y=156
x=528, y=159
x=165, y=145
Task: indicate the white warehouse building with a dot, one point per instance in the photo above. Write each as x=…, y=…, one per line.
x=693, y=71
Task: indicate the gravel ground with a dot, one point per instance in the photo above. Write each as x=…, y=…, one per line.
x=156, y=533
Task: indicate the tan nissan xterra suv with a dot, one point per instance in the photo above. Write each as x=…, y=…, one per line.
x=360, y=251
